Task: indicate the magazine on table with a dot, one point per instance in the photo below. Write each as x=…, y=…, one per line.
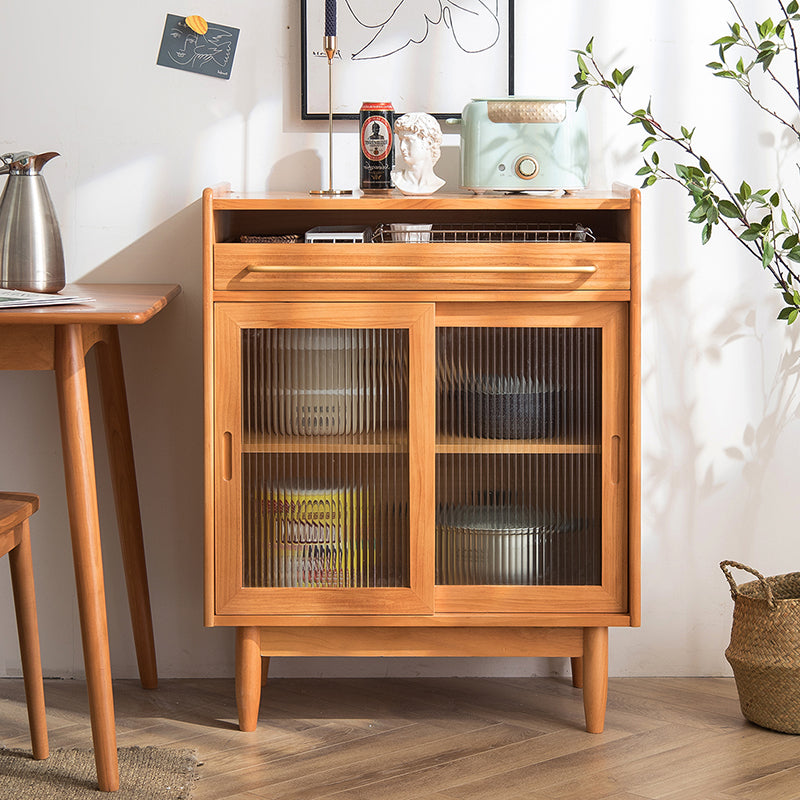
x=15, y=298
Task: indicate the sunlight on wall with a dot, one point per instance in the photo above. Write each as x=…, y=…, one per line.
x=221, y=150
x=110, y=202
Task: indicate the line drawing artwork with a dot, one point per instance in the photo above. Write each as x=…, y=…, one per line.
x=190, y=49
x=474, y=24
x=432, y=56
x=210, y=53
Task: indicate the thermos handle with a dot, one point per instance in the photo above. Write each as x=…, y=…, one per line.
x=7, y=159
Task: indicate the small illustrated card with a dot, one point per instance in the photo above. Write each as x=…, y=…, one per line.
x=209, y=52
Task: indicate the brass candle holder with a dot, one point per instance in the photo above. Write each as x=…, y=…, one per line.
x=329, y=44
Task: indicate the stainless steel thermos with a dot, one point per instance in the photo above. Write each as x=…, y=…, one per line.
x=31, y=254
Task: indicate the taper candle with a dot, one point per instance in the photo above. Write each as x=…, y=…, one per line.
x=329, y=43
x=330, y=17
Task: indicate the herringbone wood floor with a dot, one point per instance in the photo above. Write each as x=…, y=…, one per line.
x=444, y=739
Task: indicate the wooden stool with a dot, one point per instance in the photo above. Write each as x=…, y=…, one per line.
x=15, y=509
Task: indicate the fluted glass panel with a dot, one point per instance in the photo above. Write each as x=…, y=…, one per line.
x=325, y=458
x=518, y=465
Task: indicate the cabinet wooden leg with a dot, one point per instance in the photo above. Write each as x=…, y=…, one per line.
x=264, y=669
x=126, y=500
x=28, y=629
x=577, y=671
x=595, y=677
x=248, y=676
x=76, y=440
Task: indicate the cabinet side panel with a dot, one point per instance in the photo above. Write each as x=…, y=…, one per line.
x=635, y=425
x=208, y=409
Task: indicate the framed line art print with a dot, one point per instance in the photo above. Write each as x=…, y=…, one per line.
x=420, y=55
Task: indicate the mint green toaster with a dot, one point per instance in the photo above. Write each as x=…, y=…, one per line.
x=515, y=144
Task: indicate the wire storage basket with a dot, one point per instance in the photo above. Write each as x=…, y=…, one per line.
x=505, y=233
x=764, y=650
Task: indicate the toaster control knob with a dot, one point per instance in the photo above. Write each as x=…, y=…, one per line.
x=527, y=167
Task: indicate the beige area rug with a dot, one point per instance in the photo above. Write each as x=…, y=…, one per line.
x=145, y=773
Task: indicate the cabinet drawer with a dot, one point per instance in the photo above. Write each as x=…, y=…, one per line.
x=422, y=266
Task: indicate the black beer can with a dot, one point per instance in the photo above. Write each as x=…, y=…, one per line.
x=377, y=146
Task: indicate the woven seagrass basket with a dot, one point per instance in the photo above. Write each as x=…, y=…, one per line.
x=764, y=651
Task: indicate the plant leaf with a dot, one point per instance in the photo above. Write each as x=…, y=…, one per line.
x=698, y=213
x=768, y=254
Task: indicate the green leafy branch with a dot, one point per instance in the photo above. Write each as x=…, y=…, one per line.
x=761, y=51
x=764, y=221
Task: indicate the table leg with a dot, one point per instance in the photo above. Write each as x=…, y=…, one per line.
x=126, y=500
x=76, y=440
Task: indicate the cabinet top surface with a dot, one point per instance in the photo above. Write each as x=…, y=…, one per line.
x=223, y=199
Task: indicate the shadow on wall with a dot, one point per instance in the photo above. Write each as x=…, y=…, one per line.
x=764, y=348
x=706, y=492
x=303, y=168
x=163, y=362
x=310, y=168
x=677, y=549
x=449, y=167
x=672, y=484
x=778, y=392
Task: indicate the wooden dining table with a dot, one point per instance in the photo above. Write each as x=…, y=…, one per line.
x=58, y=338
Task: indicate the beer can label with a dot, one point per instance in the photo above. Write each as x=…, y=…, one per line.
x=377, y=146
x=376, y=138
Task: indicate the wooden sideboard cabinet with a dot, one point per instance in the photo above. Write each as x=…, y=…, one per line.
x=422, y=442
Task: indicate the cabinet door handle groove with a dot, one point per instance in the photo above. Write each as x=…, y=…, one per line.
x=579, y=269
x=227, y=456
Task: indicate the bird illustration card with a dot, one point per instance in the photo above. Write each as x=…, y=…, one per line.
x=195, y=45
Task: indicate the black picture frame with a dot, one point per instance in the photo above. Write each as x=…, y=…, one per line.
x=397, y=78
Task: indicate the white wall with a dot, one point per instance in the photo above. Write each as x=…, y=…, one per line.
x=139, y=142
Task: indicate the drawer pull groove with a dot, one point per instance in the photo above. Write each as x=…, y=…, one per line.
x=570, y=269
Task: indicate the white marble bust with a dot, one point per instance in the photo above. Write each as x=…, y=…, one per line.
x=419, y=140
